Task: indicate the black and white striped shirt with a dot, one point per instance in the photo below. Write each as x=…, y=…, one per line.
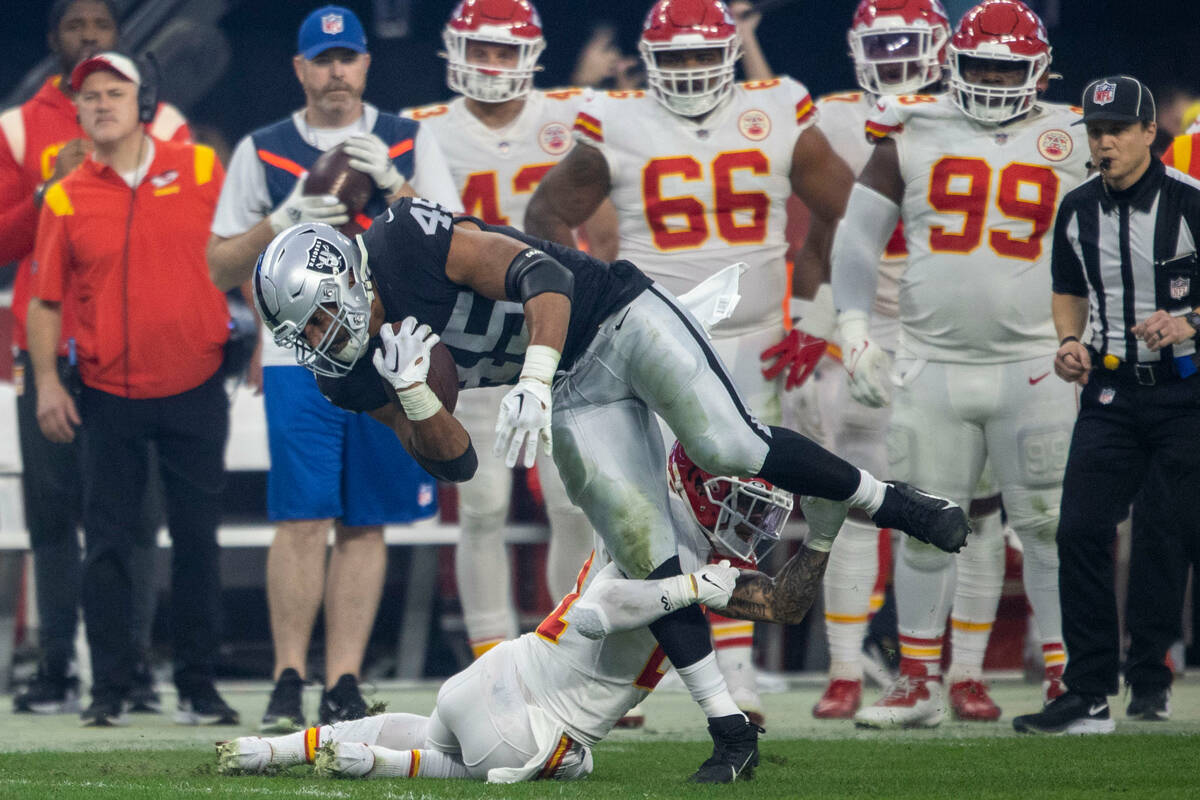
x=1130, y=253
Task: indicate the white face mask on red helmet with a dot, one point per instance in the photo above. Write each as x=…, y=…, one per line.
x=674, y=25
x=1004, y=31
x=507, y=22
x=898, y=37
x=741, y=517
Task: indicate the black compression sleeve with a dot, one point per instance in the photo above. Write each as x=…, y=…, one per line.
x=532, y=273
x=684, y=633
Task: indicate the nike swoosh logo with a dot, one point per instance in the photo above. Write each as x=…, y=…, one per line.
x=617, y=327
x=1038, y=379
x=1096, y=709
x=391, y=215
x=707, y=579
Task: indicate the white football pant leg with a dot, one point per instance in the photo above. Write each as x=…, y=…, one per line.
x=934, y=442
x=1028, y=446
x=481, y=714
x=571, y=535
x=481, y=564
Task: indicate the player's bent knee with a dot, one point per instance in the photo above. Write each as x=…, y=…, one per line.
x=924, y=557
x=726, y=455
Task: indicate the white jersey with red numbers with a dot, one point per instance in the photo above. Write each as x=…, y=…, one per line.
x=589, y=684
x=978, y=212
x=842, y=119
x=696, y=196
x=497, y=169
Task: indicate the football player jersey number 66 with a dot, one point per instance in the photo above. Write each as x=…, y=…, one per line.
x=679, y=222
x=963, y=186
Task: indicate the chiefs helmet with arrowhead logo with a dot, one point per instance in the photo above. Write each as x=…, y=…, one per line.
x=509, y=22
x=741, y=517
x=999, y=31
x=675, y=25
x=898, y=46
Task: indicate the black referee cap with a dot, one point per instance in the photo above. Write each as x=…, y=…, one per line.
x=1120, y=98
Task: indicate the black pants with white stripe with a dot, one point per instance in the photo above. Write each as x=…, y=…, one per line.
x=1132, y=444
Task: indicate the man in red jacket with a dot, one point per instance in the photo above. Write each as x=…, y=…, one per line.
x=121, y=244
x=40, y=143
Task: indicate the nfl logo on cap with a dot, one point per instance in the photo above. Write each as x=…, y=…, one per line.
x=332, y=24
x=1103, y=94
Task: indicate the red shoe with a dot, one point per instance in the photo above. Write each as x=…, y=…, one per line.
x=634, y=718
x=970, y=702
x=1053, y=686
x=841, y=699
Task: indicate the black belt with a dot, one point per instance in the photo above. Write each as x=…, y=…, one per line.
x=1143, y=373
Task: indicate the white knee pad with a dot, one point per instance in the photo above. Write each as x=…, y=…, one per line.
x=980, y=567
x=1040, y=576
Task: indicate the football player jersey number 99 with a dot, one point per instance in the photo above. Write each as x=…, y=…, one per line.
x=661, y=211
x=481, y=192
x=963, y=186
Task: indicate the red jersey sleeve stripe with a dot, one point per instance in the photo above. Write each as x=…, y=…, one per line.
x=589, y=125
x=805, y=109
x=285, y=164
x=881, y=131
x=400, y=148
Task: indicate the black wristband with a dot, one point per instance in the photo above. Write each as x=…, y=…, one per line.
x=456, y=470
x=1066, y=339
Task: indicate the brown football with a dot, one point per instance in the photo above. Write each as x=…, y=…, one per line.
x=332, y=174
x=443, y=376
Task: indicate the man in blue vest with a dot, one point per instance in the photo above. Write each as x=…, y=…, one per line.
x=264, y=194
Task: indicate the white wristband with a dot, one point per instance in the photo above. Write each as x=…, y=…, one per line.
x=419, y=402
x=541, y=362
x=678, y=591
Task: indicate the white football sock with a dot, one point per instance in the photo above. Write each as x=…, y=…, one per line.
x=733, y=643
x=401, y=731
x=1040, y=576
x=849, y=580
x=980, y=568
x=484, y=587
x=707, y=686
x=924, y=584
x=869, y=494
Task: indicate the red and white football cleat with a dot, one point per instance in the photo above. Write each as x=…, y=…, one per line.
x=841, y=699
x=969, y=700
x=913, y=701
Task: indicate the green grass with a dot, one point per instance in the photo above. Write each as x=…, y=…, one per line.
x=1132, y=766
x=801, y=757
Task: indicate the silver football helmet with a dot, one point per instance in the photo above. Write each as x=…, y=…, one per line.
x=312, y=269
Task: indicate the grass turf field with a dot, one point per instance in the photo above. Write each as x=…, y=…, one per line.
x=152, y=757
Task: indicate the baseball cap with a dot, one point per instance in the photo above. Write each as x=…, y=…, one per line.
x=330, y=26
x=122, y=66
x=1119, y=98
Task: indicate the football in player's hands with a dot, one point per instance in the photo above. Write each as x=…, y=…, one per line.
x=332, y=174
x=443, y=375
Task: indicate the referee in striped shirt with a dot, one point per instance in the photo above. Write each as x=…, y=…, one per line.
x=1124, y=258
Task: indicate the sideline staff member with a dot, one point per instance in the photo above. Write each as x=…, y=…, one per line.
x=1125, y=247
x=40, y=143
x=121, y=243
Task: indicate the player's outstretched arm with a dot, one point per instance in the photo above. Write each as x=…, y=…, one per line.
x=568, y=195
x=784, y=599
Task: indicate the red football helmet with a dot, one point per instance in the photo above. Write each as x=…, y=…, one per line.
x=510, y=22
x=740, y=517
x=898, y=46
x=675, y=25
x=999, y=31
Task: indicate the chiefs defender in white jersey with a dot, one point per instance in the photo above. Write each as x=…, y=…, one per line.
x=533, y=708
x=898, y=47
x=699, y=169
x=976, y=176
x=499, y=137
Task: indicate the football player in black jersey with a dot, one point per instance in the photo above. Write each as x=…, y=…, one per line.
x=593, y=349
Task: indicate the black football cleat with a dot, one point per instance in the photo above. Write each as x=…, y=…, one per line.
x=343, y=702
x=735, y=751
x=925, y=517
